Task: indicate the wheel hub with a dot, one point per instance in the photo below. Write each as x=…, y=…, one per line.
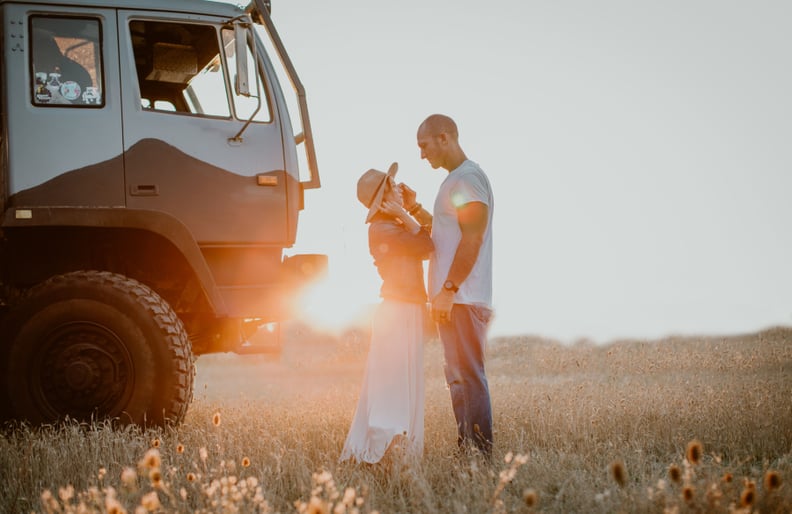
x=86, y=371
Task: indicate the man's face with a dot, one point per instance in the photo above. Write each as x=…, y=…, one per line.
x=431, y=149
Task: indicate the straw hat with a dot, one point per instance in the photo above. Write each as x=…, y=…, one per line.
x=371, y=187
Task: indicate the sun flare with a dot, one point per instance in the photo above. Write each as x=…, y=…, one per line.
x=334, y=304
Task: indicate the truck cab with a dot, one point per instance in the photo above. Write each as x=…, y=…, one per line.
x=146, y=152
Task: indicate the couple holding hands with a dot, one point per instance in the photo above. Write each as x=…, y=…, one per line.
x=457, y=239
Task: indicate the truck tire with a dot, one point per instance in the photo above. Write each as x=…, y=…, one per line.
x=94, y=345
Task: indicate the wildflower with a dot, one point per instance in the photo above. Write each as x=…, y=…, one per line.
x=101, y=474
x=216, y=419
x=530, y=497
x=245, y=462
x=747, y=497
x=155, y=443
x=688, y=493
x=128, y=478
x=183, y=493
x=191, y=477
x=694, y=451
x=674, y=473
x=772, y=480
x=618, y=472
x=180, y=448
x=150, y=501
x=151, y=459
x=203, y=453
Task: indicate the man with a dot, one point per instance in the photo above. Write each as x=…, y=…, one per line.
x=460, y=276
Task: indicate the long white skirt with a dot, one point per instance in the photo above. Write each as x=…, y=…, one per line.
x=392, y=397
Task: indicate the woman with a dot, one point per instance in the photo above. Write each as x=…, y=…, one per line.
x=390, y=411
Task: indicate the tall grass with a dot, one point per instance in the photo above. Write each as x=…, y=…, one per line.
x=678, y=425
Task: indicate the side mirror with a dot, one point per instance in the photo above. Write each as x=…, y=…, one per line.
x=241, y=81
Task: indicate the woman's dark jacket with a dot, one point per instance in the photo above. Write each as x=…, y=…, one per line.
x=398, y=255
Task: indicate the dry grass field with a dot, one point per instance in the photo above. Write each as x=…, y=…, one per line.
x=687, y=425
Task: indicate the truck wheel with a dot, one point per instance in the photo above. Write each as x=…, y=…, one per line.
x=97, y=345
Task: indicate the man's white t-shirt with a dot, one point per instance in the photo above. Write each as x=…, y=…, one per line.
x=465, y=184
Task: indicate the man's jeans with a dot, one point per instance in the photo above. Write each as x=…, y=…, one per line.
x=464, y=339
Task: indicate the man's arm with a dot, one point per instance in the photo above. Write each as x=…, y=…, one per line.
x=473, y=223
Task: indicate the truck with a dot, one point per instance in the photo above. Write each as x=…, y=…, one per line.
x=150, y=186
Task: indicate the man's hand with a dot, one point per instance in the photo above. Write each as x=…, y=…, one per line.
x=408, y=196
x=441, y=306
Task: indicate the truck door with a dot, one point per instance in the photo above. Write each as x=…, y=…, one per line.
x=63, y=106
x=181, y=114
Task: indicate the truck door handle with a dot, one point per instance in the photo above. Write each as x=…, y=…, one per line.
x=144, y=190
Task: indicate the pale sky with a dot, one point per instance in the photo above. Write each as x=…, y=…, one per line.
x=639, y=152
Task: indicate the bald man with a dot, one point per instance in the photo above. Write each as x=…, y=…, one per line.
x=460, y=276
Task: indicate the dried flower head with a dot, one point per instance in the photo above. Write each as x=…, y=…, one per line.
x=113, y=506
x=772, y=480
x=317, y=506
x=245, y=462
x=619, y=473
x=156, y=477
x=688, y=493
x=674, y=473
x=155, y=443
x=128, y=478
x=150, y=501
x=727, y=478
x=191, y=477
x=747, y=497
x=179, y=448
x=694, y=451
x=530, y=497
x=151, y=459
x=216, y=419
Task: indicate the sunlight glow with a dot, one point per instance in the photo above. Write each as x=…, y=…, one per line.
x=331, y=305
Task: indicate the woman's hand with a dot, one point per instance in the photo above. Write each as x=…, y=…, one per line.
x=393, y=208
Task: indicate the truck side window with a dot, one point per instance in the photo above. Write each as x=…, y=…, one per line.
x=66, y=61
x=179, y=68
x=245, y=106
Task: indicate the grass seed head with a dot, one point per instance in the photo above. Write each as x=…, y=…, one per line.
x=747, y=497
x=216, y=419
x=618, y=473
x=727, y=478
x=155, y=443
x=245, y=462
x=688, y=493
x=530, y=497
x=694, y=451
x=674, y=473
x=772, y=480
x=179, y=448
